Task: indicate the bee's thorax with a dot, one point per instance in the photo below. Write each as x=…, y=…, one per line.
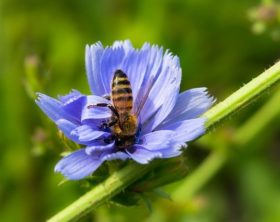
x=121, y=93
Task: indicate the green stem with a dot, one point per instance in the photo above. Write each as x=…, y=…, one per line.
x=243, y=96
x=126, y=176
x=117, y=182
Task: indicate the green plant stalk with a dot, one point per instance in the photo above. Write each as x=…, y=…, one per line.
x=126, y=176
x=243, y=96
x=117, y=182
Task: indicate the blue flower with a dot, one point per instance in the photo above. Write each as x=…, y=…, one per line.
x=166, y=119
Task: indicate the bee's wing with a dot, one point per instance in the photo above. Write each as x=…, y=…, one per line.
x=122, y=99
x=140, y=102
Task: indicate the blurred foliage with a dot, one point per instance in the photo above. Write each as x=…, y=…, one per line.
x=266, y=18
x=42, y=49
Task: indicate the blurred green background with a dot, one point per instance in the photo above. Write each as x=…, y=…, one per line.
x=221, y=45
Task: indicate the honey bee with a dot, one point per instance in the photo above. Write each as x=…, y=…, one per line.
x=123, y=122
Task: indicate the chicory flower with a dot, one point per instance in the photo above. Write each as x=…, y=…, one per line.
x=166, y=119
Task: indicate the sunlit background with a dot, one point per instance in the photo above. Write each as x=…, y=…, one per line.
x=221, y=45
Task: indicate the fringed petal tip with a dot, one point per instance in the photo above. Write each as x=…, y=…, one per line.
x=116, y=156
x=50, y=106
x=204, y=94
x=143, y=156
x=40, y=97
x=211, y=99
x=77, y=165
x=70, y=97
x=89, y=47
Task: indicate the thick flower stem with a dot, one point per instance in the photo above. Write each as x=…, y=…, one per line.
x=126, y=176
x=117, y=182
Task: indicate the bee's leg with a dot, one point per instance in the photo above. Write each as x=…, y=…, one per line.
x=112, y=123
x=112, y=108
x=109, y=124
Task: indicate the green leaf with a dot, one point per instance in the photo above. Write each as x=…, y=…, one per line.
x=126, y=199
x=168, y=171
x=161, y=193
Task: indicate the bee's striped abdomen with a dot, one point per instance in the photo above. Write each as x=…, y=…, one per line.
x=121, y=92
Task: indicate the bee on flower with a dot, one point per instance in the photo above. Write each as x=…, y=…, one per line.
x=135, y=110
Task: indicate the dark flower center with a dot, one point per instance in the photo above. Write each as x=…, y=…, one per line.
x=120, y=141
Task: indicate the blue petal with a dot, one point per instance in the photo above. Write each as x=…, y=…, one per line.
x=123, y=56
x=135, y=65
x=73, y=104
x=165, y=150
x=97, y=147
x=190, y=104
x=154, y=66
x=111, y=61
x=162, y=141
x=72, y=95
x=139, y=65
x=51, y=107
x=186, y=130
x=143, y=156
x=173, y=150
x=92, y=57
x=78, y=165
x=126, y=45
x=117, y=155
x=67, y=127
x=157, y=140
x=95, y=112
x=163, y=94
x=87, y=133
x=102, y=63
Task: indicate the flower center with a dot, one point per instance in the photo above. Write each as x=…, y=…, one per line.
x=121, y=141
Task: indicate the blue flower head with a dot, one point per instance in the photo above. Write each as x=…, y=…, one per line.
x=142, y=84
